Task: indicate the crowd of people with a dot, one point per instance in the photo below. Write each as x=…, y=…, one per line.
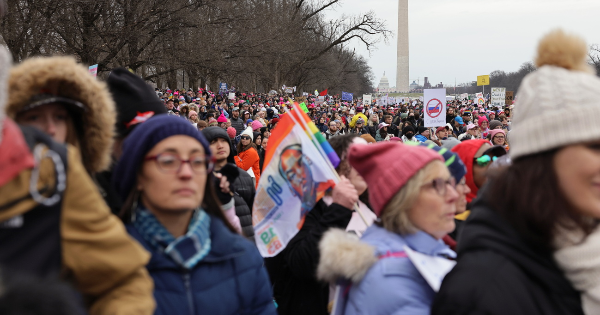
x=120, y=198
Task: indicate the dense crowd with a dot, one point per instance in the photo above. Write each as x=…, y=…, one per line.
x=120, y=198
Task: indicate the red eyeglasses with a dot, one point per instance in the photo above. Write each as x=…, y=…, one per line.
x=171, y=162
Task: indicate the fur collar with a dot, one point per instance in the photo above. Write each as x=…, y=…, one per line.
x=65, y=77
x=343, y=255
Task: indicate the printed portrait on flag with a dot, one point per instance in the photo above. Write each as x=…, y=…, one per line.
x=295, y=168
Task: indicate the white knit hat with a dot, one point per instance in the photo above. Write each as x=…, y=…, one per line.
x=564, y=88
x=248, y=132
x=5, y=65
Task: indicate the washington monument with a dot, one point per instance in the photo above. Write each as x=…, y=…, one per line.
x=402, y=81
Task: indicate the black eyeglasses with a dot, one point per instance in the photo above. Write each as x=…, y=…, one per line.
x=440, y=185
x=245, y=138
x=171, y=162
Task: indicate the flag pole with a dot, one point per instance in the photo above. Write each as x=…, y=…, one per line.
x=304, y=126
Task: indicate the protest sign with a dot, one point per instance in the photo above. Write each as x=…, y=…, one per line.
x=93, y=70
x=231, y=96
x=367, y=99
x=298, y=169
x=435, y=107
x=346, y=96
x=222, y=87
x=483, y=80
x=509, y=97
x=498, y=96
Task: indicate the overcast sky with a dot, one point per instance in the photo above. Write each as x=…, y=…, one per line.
x=461, y=39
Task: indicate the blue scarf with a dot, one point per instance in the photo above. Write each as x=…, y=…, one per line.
x=187, y=250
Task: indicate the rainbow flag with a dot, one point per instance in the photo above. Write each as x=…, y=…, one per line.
x=298, y=169
x=313, y=132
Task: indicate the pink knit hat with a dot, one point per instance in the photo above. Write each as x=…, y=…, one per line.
x=193, y=112
x=495, y=131
x=231, y=132
x=387, y=166
x=481, y=119
x=222, y=118
x=256, y=125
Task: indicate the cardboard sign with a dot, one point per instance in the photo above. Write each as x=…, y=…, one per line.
x=509, y=97
x=435, y=107
x=231, y=96
x=367, y=99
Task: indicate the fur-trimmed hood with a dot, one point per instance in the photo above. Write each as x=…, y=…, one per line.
x=343, y=255
x=63, y=76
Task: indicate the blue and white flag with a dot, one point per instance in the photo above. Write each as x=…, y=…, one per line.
x=347, y=96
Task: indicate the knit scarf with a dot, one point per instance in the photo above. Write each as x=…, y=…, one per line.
x=187, y=250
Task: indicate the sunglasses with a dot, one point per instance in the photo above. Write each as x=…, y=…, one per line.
x=484, y=160
x=245, y=138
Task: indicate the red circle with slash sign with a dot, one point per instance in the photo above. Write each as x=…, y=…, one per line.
x=434, y=108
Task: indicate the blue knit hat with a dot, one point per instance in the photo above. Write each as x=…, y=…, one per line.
x=141, y=140
x=455, y=165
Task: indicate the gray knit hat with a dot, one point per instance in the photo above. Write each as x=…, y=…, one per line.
x=563, y=88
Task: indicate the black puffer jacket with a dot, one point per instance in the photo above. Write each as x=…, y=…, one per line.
x=238, y=124
x=242, y=188
x=244, y=191
x=293, y=272
x=498, y=272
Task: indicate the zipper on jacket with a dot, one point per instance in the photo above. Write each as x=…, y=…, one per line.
x=188, y=290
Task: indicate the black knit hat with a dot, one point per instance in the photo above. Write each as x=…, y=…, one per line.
x=135, y=100
x=212, y=133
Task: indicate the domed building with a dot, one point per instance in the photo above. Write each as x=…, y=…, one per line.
x=384, y=84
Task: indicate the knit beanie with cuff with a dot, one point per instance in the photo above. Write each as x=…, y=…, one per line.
x=387, y=166
x=563, y=88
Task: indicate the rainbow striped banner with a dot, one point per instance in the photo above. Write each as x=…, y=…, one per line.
x=313, y=132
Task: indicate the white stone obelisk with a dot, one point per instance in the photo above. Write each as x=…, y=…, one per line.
x=402, y=81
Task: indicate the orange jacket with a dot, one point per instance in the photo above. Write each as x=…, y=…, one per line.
x=248, y=159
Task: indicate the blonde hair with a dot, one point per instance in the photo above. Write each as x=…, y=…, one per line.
x=394, y=216
x=370, y=122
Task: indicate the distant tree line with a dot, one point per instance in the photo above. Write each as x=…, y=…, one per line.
x=254, y=45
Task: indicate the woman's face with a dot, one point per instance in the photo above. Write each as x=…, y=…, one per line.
x=258, y=140
x=176, y=190
x=498, y=139
x=322, y=120
x=374, y=118
x=245, y=139
x=484, y=125
x=462, y=189
x=194, y=116
x=578, y=170
x=50, y=118
x=434, y=213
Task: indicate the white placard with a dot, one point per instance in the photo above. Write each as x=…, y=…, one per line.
x=367, y=99
x=432, y=268
x=231, y=96
x=434, y=106
x=498, y=96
